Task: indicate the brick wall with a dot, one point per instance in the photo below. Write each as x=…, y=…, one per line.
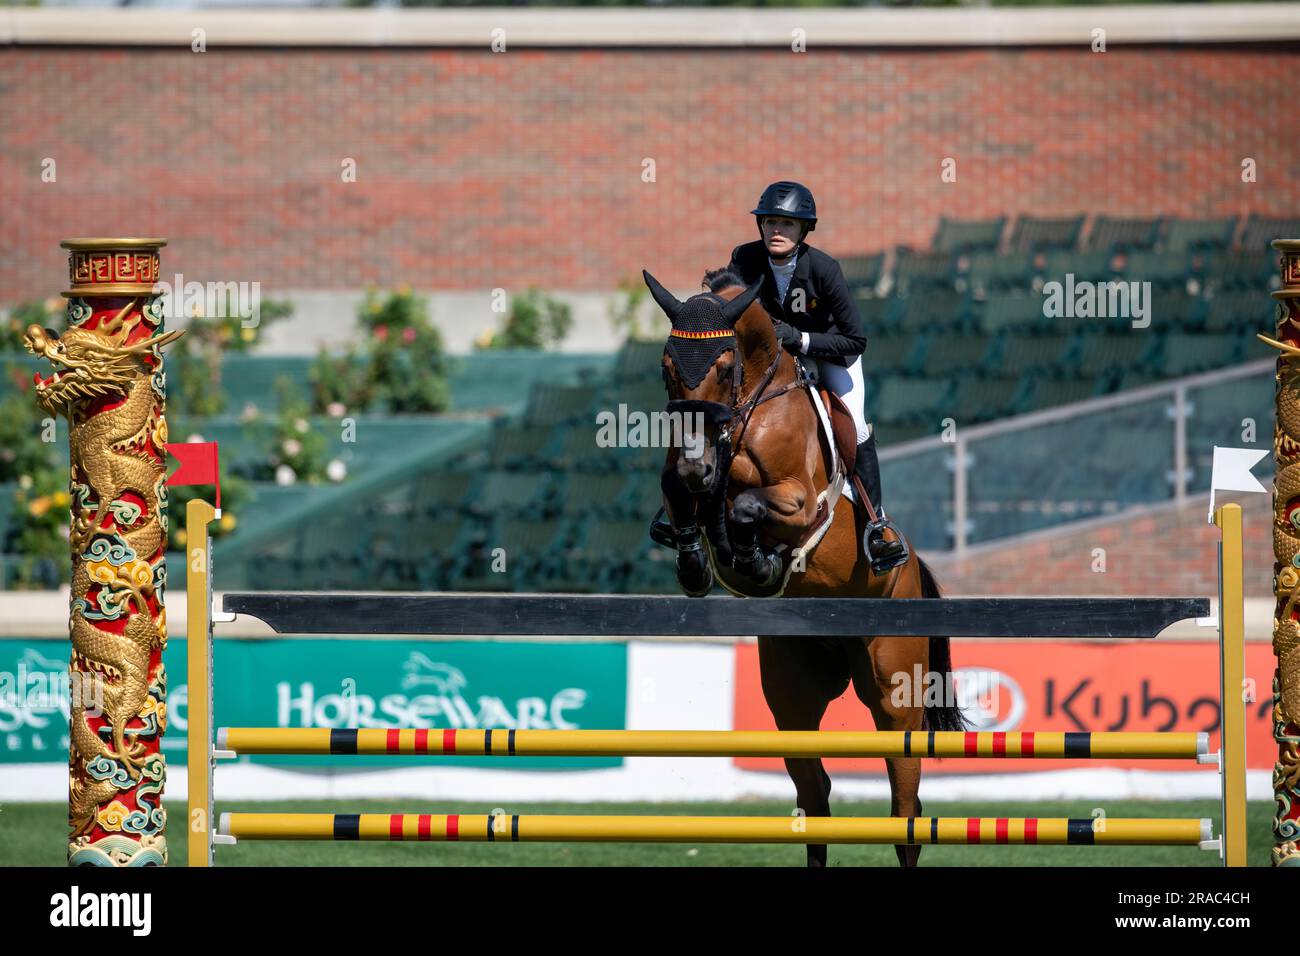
x=1158, y=551
x=478, y=170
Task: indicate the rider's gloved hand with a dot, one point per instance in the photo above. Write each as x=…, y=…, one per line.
x=788, y=336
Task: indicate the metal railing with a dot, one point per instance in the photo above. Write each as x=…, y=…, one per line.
x=1087, y=459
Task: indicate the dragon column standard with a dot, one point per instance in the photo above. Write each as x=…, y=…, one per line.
x=108, y=383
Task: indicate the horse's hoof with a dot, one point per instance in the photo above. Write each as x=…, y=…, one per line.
x=694, y=575
x=764, y=572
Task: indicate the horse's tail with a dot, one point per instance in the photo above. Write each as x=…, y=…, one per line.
x=945, y=716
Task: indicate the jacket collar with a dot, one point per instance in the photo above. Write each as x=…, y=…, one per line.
x=802, y=266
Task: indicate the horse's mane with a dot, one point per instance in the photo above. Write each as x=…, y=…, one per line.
x=718, y=279
x=758, y=334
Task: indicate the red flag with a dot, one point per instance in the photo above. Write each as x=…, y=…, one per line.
x=198, y=465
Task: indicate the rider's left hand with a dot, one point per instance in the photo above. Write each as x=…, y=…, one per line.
x=788, y=336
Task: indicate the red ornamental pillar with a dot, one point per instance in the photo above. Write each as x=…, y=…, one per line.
x=108, y=384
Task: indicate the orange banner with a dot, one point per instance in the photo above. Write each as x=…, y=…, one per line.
x=1005, y=685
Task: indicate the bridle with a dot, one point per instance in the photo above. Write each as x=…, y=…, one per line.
x=735, y=417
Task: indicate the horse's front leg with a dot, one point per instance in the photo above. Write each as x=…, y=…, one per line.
x=694, y=575
x=784, y=504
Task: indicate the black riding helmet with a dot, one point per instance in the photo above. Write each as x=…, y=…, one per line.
x=793, y=200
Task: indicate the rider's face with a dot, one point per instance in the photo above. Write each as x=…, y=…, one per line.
x=781, y=234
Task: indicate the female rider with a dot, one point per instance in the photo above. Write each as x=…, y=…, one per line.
x=815, y=316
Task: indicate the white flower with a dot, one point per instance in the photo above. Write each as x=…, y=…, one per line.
x=291, y=446
x=300, y=426
x=336, y=410
x=284, y=476
x=336, y=470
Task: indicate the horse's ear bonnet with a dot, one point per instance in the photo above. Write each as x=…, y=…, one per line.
x=704, y=326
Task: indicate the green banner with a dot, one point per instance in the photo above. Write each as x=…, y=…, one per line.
x=349, y=682
x=34, y=701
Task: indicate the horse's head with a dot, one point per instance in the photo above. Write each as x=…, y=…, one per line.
x=702, y=368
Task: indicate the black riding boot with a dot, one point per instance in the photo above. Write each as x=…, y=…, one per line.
x=883, y=553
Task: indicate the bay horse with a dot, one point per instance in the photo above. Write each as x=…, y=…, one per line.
x=746, y=494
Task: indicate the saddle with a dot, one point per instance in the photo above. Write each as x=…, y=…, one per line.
x=845, y=435
x=843, y=430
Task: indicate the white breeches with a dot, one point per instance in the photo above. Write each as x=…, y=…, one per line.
x=847, y=383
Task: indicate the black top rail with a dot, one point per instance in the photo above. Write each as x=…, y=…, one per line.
x=511, y=615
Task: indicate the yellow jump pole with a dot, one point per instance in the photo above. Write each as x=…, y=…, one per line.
x=708, y=743
x=1232, y=664
x=198, y=636
x=411, y=827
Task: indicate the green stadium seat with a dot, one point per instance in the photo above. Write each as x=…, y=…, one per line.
x=443, y=491
x=1013, y=311
x=1238, y=310
x=968, y=235
x=1188, y=353
x=927, y=309
x=1108, y=234
x=517, y=446
x=576, y=450
x=912, y=401
x=594, y=493
x=1159, y=268
x=558, y=404
x=1259, y=231
x=913, y=269
x=512, y=492
x=1108, y=352
x=990, y=271
x=391, y=548
x=605, y=552
x=1091, y=265
x=1235, y=268
x=862, y=273
x=894, y=353
x=947, y=354
x=1032, y=234
x=523, y=545
x=1172, y=308
x=436, y=546
x=1049, y=394
x=1018, y=355
x=280, y=563
x=877, y=312
x=889, y=434
x=639, y=458
x=981, y=399
x=1185, y=235
x=645, y=395
x=644, y=497
x=639, y=359
x=1135, y=378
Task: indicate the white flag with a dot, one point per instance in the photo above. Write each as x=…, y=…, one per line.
x=1231, y=471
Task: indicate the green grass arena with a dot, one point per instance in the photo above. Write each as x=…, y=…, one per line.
x=30, y=836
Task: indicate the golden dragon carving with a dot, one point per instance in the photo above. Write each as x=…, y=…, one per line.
x=1286, y=556
x=109, y=386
